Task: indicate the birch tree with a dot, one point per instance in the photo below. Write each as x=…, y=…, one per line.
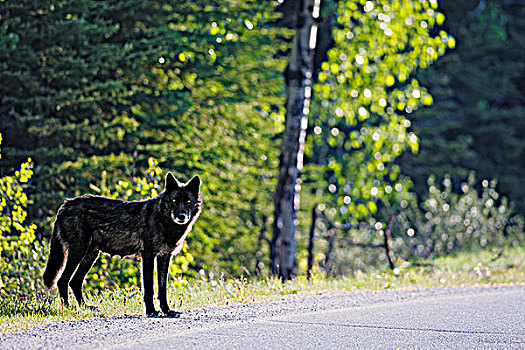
x=298, y=77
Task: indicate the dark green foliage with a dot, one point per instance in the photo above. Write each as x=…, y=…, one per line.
x=62, y=98
x=93, y=88
x=477, y=121
x=90, y=90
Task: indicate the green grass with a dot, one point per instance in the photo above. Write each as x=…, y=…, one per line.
x=458, y=269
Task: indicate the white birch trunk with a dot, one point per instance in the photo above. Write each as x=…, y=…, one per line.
x=298, y=79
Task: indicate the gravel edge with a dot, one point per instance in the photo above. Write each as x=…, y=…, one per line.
x=119, y=331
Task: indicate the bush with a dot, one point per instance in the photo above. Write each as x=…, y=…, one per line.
x=22, y=269
x=22, y=259
x=441, y=222
x=116, y=272
x=445, y=221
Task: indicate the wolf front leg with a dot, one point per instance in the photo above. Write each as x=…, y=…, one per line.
x=148, y=261
x=163, y=266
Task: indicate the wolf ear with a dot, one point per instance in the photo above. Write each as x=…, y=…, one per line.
x=194, y=185
x=171, y=182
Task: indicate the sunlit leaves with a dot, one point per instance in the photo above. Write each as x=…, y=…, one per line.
x=125, y=271
x=366, y=92
x=13, y=208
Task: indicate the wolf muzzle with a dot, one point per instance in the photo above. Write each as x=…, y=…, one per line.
x=180, y=218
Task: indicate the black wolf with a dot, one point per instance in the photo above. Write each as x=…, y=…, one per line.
x=155, y=228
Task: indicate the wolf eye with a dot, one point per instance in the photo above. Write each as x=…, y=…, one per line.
x=188, y=201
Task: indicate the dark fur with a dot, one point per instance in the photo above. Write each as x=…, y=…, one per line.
x=152, y=229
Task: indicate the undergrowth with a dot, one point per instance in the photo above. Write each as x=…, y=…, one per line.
x=483, y=267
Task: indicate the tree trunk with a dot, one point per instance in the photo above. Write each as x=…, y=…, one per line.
x=311, y=242
x=262, y=237
x=298, y=79
x=388, y=243
x=328, y=256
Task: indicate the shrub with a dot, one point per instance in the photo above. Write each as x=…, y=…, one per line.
x=116, y=272
x=21, y=277
x=445, y=221
x=21, y=258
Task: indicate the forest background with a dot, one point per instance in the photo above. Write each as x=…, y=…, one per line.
x=414, y=135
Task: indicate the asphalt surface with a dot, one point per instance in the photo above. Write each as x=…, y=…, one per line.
x=480, y=317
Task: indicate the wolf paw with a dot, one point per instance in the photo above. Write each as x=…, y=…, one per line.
x=153, y=313
x=172, y=314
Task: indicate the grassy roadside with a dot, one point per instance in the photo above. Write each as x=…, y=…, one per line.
x=460, y=269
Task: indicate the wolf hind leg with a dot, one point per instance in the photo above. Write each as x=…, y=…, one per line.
x=81, y=272
x=56, y=261
x=75, y=256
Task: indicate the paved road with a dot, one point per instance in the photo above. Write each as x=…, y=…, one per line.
x=479, y=321
x=442, y=318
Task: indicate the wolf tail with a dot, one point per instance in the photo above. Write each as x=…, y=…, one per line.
x=56, y=261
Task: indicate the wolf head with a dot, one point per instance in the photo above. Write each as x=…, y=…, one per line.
x=182, y=201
